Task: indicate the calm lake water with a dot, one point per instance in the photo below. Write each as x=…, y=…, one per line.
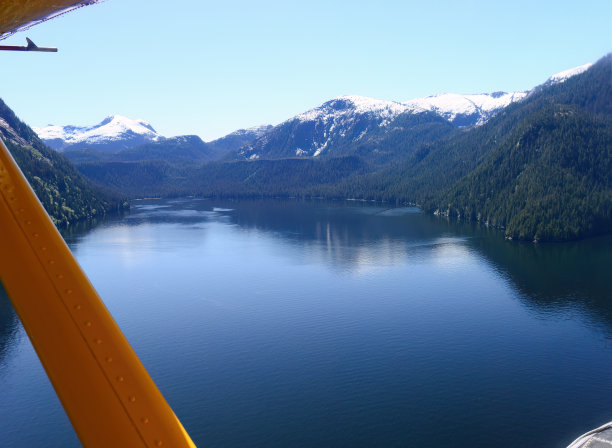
x=317, y=324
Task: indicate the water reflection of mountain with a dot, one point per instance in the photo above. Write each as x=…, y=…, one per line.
x=350, y=223
x=575, y=276
x=549, y=278
x=9, y=326
x=345, y=235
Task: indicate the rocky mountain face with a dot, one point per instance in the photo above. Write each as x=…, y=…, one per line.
x=237, y=139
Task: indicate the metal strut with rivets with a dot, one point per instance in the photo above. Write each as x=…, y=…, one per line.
x=104, y=388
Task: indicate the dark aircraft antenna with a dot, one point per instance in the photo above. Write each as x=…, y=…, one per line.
x=30, y=47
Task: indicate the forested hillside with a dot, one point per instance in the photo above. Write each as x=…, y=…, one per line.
x=549, y=180
x=540, y=169
x=260, y=178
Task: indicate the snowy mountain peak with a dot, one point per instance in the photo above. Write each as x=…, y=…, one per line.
x=114, y=124
x=112, y=134
x=566, y=74
x=347, y=105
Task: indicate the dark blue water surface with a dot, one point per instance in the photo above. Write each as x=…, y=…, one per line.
x=317, y=324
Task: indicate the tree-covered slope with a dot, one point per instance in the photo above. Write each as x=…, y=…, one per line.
x=540, y=169
x=549, y=180
x=64, y=192
x=260, y=178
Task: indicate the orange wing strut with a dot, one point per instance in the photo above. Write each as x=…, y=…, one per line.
x=108, y=395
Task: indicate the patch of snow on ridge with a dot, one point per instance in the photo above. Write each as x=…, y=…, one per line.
x=51, y=132
x=566, y=74
x=363, y=104
x=352, y=104
x=450, y=105
x=261, y=129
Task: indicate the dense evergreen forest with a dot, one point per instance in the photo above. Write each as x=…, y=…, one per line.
x=546, y=181
x=296, y=177
x=64, y=192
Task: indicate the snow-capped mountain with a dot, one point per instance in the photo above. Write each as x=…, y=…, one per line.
x=341, y=120
x=113, y=134
x=352, y=119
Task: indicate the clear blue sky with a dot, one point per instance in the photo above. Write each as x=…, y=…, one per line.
x=208, y=68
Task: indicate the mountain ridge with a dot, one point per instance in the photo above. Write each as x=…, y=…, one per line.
x=352, y=119
x=339, y=122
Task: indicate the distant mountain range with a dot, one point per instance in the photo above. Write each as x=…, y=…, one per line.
x=119, y=138
x=327, y=129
